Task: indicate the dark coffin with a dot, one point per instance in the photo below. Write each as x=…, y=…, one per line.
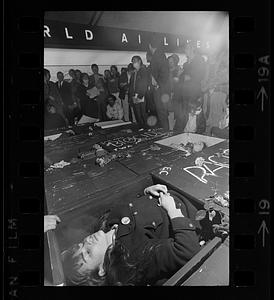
x=78, y=183
x=175, y=175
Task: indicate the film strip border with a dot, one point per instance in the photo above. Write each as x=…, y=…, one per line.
x=249, y=143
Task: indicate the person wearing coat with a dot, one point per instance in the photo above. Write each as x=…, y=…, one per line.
x=161, y=81
x=137, y=90
x=141, y=242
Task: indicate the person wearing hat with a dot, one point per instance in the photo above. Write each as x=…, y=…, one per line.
x=143, y=242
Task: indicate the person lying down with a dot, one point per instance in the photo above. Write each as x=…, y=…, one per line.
x=140, y=243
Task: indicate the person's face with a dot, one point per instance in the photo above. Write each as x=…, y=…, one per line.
x=85, y=80
x=60, y=77
x=136, y=63
x=95, y=70
x=107, y=74
x=93, y=248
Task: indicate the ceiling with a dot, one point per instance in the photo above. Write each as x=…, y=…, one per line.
x=195, y=24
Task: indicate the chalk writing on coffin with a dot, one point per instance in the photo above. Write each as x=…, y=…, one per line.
x=209, y=168
x=133, y=140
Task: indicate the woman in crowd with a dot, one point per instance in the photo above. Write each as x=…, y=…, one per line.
x=140, y=243
x=137, y=90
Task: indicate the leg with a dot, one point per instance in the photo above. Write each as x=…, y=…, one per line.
x=126, y=108
x=162, y=110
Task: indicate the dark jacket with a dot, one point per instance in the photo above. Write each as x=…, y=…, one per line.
x=65, y=92
x=160, y=70
x=138, y=83
x=174, y=241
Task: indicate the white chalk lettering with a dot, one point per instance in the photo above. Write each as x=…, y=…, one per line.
x=165, y=42
x=89, y=35
x=46, y=31
x=139, y=38
x=198, y=44
x=207, y=45
x=178, y=42
x=67, y=34
x=124, y=38
x=206, y=171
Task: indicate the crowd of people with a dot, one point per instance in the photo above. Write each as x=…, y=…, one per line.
x=197, y=93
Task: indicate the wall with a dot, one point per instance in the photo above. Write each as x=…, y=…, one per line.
x=64, y=59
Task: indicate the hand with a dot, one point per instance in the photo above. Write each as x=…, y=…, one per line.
x=155, y=190
x=50, y=222
x=167, y=202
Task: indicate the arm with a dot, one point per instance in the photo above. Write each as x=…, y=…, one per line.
x=172, y=253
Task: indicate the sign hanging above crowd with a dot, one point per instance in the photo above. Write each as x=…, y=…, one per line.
x=78, y=36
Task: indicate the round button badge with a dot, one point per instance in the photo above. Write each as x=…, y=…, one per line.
x=125, y=220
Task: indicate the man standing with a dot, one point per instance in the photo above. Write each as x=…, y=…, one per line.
x=160, y=81
x=137, y=90
x=65, y=92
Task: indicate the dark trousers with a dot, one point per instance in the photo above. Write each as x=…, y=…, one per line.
x=140, y=114
x=161, y=109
